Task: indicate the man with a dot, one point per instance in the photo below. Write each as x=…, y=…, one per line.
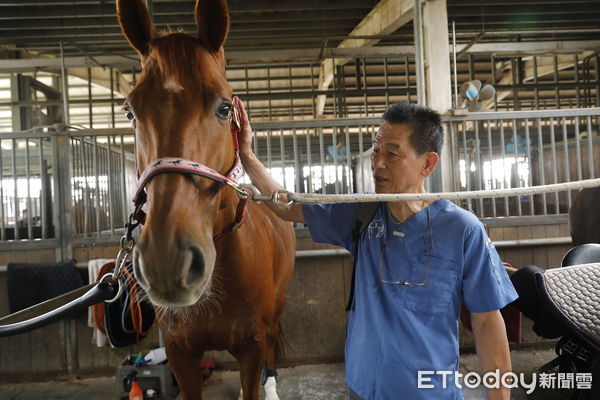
x=417, y=262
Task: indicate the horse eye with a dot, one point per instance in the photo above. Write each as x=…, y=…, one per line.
x=223, y=111
x=128, y=114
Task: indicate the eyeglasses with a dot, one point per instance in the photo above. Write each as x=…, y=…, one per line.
x=427, y=250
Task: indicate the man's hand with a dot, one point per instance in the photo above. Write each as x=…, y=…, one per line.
x=492, y=347
x=245, y=133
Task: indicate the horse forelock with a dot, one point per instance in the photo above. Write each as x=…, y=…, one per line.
x=184, y=64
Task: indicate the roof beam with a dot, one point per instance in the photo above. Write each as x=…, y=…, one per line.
x=386, y=17
x=309, y=55
x=101, y=77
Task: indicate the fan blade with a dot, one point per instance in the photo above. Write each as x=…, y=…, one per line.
x=475, y=107
x=468, y=91
x=487, y=92
x=476, y=83
x=463, y=89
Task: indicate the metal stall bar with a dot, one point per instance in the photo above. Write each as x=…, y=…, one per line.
x=514, y=129
x=514, y=66
x=578, y=150
x=269, y=92
x=453, y=154
x=335, y=164
x=15, y=192
x=493, y=62
x=308, y=162
x=269, y=136
x=348, y=164
x=109, y=183
x=282, y=156
x=576, y=81
x=590, y=141
x=124, y=199
x=291, y=91
x=528, y=154
x=360, y=152
x=541, y=163
x=89, y=93
x=386, y=83
x=554, y=171
x=364, y=85
x=556, y=90
x=503, y=155
x=86, y=188
x=467, y=164
x=479, y=168
x=297, y=162
x=97, y=186
x=322, y=159
x=566, y=158
x=28, y=218
x=536, y=93
x=407, y=78
x=75, y=192
x=336, y=114
x=112, y=97
x=44, y=190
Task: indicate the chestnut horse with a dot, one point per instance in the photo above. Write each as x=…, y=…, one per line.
x=210, y=294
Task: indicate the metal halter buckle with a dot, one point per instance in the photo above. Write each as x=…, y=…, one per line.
x=111, y=278
x=275, y=198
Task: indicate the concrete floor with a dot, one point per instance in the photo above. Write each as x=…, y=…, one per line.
x=308, y=382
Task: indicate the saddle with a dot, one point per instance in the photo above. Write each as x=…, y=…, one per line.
x=565, y=303
x=572, y=295
x=128, y=319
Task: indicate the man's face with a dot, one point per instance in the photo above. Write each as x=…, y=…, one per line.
x=395, y=165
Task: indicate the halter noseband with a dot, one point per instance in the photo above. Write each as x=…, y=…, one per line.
x=188, y=167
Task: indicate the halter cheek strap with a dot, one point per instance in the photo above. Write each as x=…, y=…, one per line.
x=188, y=167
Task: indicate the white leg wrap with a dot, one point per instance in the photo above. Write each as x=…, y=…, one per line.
x=271, y=389
x=241, y=397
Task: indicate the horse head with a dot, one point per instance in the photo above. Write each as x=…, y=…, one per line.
x=180, y=108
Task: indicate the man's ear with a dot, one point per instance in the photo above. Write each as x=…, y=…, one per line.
x=431, y=161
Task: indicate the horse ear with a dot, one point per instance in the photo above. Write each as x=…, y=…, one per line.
x=212, y=18
x=136, y=24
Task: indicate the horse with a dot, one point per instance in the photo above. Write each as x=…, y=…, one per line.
x=584, y=217
x=214, y=287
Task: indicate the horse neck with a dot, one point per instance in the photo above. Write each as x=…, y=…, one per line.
x=226, y=215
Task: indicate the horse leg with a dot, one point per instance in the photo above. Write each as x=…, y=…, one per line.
x=269, y=376
x=251, y=361
x=186, y=370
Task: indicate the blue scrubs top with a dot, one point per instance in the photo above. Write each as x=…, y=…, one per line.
x=395, y=330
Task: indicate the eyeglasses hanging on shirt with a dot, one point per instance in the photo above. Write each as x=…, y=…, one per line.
x=428, y=247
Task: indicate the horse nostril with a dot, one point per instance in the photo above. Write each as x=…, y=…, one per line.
x=196, y=270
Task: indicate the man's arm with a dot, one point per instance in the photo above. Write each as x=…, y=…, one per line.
x=492, y=347
x=257, y=172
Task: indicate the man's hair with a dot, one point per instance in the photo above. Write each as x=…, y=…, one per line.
x=427, y=131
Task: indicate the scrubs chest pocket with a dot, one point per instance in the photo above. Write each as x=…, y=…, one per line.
x=440, y=276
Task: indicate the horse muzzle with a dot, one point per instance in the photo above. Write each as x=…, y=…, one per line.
x=179, y=276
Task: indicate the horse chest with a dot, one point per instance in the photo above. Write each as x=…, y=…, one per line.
x=216, y=334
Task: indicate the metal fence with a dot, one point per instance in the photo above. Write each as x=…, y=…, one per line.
x=521, y=149
x=78, y=183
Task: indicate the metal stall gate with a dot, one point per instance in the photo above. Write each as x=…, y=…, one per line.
x=488, y=150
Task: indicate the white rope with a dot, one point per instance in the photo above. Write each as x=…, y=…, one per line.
x=309, y=198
